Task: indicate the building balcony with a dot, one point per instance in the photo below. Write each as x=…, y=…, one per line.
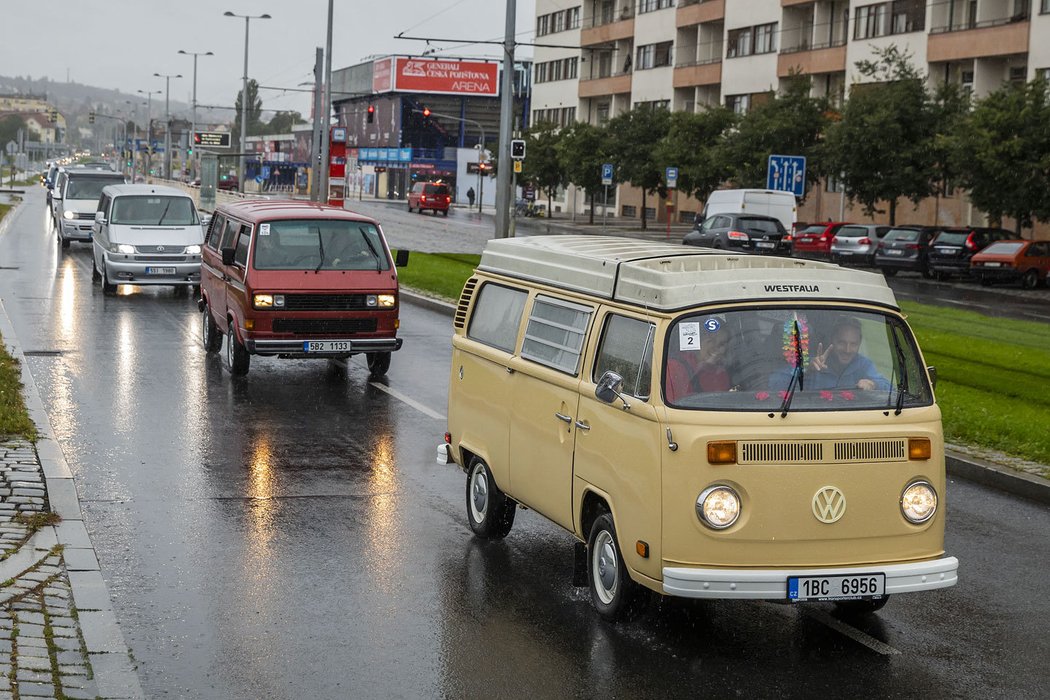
x=1004, y=37
x=794, y=3
x=611, y=85
x=812, y=61
x=689, y=14
x=607, y=33
x=707, y=73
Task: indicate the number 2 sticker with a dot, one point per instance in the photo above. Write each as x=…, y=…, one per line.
x=689, y=336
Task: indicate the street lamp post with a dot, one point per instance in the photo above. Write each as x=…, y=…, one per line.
x=244, y=95
x=193, y=122
x=167, y=120
x=149, y=128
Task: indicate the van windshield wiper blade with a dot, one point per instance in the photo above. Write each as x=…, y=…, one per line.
x=320, y=244
x=372, y=248
x=164, y=213
x=902, y=379
x=798, y=375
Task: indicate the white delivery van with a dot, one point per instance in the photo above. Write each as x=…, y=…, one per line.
x=779, y=205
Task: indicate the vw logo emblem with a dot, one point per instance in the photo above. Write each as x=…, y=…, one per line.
x=160, y=249
x=829, y=504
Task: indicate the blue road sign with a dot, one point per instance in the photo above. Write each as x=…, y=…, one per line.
x=787, y=173
x=672, y=177
x=607, y=173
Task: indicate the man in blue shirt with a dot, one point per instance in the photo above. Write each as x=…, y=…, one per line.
x=841, y=365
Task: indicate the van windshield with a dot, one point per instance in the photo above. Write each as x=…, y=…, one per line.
x=89, y=187
x=319, y=244
x=804, y=359
x=154, y=210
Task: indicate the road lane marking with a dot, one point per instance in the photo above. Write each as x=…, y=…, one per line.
x=410, y=401
x=850, y=631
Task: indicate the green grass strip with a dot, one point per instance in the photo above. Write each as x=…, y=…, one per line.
x=440, y=274
x=14, y=418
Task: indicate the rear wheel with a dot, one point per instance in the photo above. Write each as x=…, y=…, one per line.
x=237, y=357
x=210, y=335
x=490, y=512
x=378, y=363
x=445, y=212
x=614, y=594
x=1030, y=279
x=410, y=208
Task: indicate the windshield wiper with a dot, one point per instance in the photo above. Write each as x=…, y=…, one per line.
x=798, y=375
x=320, y=244
x=164, y=213
x=375, y=253
x=902, y=380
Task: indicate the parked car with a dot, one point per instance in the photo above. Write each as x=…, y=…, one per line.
x=1009, y=261
x=429, y=195
x=748, y=233
x=226, y=182
x=75, y=199
x=905, y=248
x=774, y=203
x=856, y=243
x=146, y=235
x=952, y=248
x=298, y=280
x=814, y=241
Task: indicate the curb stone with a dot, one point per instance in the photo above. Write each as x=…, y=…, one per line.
x=108, y=671
x=1004, y=478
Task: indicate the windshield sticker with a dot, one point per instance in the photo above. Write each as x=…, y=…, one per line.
x=712, y=325
x=689, y=336
x=264, y=229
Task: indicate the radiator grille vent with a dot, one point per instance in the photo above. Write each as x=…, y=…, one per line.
x=817, y=451
x=796, y=452
x=871, y=451
x=464, y=302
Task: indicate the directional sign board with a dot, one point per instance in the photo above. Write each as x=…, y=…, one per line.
x=607, y=173
x=672, y=178
x=12, y=148
x=787, y=173
x=215, y=139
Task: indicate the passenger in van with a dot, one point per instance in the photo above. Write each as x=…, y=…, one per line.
x=839, y=365
x=693, y=370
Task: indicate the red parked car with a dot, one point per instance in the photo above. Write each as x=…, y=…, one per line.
x=430, y=195
x=1009, y=261
x=814, y=241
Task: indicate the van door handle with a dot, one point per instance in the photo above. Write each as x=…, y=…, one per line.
x=562, y=416
x=582, y=426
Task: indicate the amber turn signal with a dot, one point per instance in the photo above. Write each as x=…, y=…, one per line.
x=721, y=452
x=919, y=448
x=642, y=548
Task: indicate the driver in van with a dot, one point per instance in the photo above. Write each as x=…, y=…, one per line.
x=840, y=364
x=696, y=360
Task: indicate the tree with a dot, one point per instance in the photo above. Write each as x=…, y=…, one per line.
x=634, y=136
x=694, y=144
x=792, y=123
x=582, y=151
x=542, y=166
x=9, y=127
x=1002, y=153
x=883, y=143
x=283, y=122
x=253, y=116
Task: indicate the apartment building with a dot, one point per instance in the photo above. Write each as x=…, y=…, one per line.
x=599, y=58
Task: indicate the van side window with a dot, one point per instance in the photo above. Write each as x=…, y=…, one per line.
x=627, y=349
x=555, y=334
x=103, y=204
x=215, y=231
x=240, y=255
x=229, y=236
x=497, y=316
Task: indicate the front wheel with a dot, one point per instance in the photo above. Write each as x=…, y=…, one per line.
x=95, y=274
x=378, y=363
x=211, y=338
x=1030, y=279
x=237, y=357
x=614, y=594
x=490, y=512
x=107, y=287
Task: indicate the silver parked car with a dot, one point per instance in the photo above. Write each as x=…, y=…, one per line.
x=856, y=243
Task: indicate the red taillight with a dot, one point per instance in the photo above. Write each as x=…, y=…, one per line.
x=448, y=200
x=422, y=198
x=737, y=236
x=864, y=241
x=912, y=246
x=970, y=242
x=448, y=438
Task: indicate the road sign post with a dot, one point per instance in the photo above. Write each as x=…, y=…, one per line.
x=607, y=179
x=788, y=174
x=671, y=176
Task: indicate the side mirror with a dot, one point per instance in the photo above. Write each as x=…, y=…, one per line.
x=227, y=255
x=610, y=388
x=100, y=217
x=932, y=371
x=205, y=220
x=401, y=259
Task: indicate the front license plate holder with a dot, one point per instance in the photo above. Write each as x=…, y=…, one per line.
x=326, y=346
x=160, y=270
x=865, y=586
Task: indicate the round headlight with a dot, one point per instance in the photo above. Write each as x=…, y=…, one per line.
x=718, y=507
x=919, y=502
x=67, y=214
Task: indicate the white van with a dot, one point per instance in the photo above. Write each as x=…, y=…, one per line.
x=146, y=234
x=779, y=205
x=74, y=199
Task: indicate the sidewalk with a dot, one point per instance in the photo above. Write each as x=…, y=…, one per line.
x=58, y=633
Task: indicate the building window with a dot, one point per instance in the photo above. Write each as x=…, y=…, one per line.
x=1044, y=7
x=562, y=69
x=543, y=25
x=653, y=55
x=748, y=41
x=655, y=104
x=739, y=104
x=1018, y=74
x=885, y=18
x=653, y=5
x=558, y=21
x=765, y=38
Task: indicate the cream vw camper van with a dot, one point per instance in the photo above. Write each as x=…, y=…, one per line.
x=709, y=425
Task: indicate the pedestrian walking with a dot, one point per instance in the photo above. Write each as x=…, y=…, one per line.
x=470, y=196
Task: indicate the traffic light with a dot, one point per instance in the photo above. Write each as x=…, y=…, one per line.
x=426, y=112
x=91, y=117
x=371, y=113
x=517, y=149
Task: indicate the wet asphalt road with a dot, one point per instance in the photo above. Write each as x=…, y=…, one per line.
x=287, y=535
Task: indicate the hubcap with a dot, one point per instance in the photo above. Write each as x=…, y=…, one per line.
x=479, y=494
x=605, y=567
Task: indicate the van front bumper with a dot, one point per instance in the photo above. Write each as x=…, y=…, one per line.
x=772, y=584
x=294, y=347
x=123, y=269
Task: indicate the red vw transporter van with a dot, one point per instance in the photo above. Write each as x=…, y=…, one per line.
x=298, y=280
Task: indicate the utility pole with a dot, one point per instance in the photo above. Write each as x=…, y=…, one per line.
x=503, y=183
x=316, y=150
x=193, y=122
x=326, y=116
x=167, y=121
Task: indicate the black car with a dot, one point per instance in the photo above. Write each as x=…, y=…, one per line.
x=905, y=248
x=951, y=250
x=745, y=233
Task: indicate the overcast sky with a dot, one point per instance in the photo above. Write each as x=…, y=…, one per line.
x=122, y=43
